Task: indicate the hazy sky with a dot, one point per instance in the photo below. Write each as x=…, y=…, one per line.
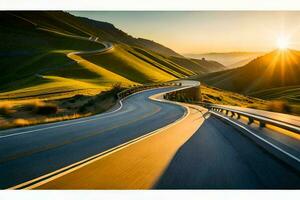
x=207, y=31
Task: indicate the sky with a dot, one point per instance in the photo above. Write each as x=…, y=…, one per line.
x=207, y=31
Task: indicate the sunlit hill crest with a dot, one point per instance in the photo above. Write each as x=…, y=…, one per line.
x=278, y=68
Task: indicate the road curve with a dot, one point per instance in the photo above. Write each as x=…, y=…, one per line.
x=220, y=156
x=143, y=144
x=107, y=47
x=196, y=153
x=135, y=166
x=27, y=153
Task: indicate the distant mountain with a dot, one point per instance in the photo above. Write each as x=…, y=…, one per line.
x=115, y=35
x=277, y=69
x=198, y=66
x=230, y=60
x=66, y=23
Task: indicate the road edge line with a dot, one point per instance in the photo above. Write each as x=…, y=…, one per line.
x=271, y=148
x=74, y=121
x=31, y=184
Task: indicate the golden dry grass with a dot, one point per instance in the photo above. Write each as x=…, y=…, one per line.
x=20, y=122
x=18, y=113
x=217, y=96
x=6, y=108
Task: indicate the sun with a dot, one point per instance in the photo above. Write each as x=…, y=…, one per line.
x=282, y=43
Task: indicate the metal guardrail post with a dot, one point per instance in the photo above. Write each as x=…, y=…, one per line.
x=262, y=121
x=232, y=114
x=250, y=121
x=262, y=124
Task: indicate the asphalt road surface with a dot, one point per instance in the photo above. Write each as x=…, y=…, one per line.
x=215, y=156
x=218, y=156
x=27, y=153
x=196, y=152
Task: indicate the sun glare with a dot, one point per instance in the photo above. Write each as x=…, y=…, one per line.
x=282, y=43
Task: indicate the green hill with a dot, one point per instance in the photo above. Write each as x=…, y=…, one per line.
x=35, y=56
x=272, y=76
x=64, y=22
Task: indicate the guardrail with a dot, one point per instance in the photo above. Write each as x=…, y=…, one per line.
x=251, y=117
x=135, y=89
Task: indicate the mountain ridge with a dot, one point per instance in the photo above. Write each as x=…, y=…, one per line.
x=276, y=69
x=34, y=57
x=229, y=59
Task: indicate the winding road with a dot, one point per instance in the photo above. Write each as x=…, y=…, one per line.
x=145, y=142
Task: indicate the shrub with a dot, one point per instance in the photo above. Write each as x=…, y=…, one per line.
x=46, y=109
x=31, y=107
x=40, y=107
x=20, y=122
x=82, y=109
x=279, y=106
x=76, y=98
x=6, y=109
x=117, y=87
x=253, y=106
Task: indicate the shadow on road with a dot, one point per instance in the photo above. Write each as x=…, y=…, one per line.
x=217, y=156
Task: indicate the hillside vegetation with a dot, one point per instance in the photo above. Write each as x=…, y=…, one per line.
x=274, y=76
x=275, y=69
x=50, y=57
x=37, y=60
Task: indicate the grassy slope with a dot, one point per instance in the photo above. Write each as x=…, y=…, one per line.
x=34, y=111
x=39, y=62
x=273, y=76
x=198, y=66
x=29, y=50
x=276, y=69
x=120, y=61
x=289, y=93
x=218, y=96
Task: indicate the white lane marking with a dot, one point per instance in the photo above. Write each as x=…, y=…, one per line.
x=95, y=117
x=258, y=137
x=56, y=174
x=69, y=123
x=94, y=158
x=61, y=125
